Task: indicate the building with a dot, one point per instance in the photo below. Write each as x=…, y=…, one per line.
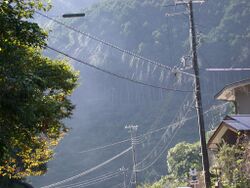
x=233, y=126
x=230, y=130
x=239, y=94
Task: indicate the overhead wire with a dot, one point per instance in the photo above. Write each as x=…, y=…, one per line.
x=92, y=181
x=176, y=123
x=137, y=140
x=164, y=135
x=149, y=132
x=112, y=45
x=120, y=185
x=88, y=171
x=106, y=146
x=115, y=74
x=125, y=151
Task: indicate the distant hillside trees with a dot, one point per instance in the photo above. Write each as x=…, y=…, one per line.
x=34, y=92
x=180, y=159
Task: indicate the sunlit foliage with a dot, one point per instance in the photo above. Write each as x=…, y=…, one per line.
x=34, y=92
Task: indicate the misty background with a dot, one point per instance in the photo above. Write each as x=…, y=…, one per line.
x=105, y=104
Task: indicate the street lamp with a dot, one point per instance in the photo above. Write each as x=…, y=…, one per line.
x=71, y=15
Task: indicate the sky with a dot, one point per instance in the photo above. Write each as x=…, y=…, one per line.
x=66, y=6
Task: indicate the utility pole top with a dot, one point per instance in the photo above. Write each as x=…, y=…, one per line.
x=132, y=127
x=187, y=1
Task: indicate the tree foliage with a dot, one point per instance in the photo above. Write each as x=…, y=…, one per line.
x=34, y=92
x=234, y=162
x=182, y=157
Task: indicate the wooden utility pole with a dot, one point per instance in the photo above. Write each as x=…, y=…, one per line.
x=132, y=131
x=202, y=132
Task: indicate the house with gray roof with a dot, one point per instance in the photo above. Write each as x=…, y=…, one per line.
x=230, y=130
x=233, y=126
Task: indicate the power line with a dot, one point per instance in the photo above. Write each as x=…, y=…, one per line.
x=115, y=74
x=113, y=46
x=139, y=139
x=175, y=123
x=175, y=132
x=92, y=183
x=93, y=180
x=183, y=120
x=88, y=171
x=106, y=146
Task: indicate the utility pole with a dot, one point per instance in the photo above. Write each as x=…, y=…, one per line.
x=132, y=130
x=202, y=132
x=198, y=99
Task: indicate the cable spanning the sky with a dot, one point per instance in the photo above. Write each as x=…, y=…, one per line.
x=179, y=125
x=149, y=132
x=113, y=46
x=172, y=137
x=93, y=181
x=88, y=171
x=138, y=140
x=125, y=151
x=115, y=74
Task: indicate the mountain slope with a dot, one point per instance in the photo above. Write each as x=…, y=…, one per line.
x=106, y=104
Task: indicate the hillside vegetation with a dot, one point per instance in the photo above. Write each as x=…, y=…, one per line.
x=104, y=104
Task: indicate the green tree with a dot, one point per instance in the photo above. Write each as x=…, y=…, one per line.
x=181, y=158
x=34, y=92
x=234, y=162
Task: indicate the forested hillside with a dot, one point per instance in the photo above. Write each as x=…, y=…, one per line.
x=105, y=104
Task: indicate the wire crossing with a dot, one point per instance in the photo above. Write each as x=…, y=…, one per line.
x=140, y=138
x=137, y=140
x=114, y=46
x=88, y=171
x=93, y=181
x=115, y=74
x=171, y=139
x=181, y=123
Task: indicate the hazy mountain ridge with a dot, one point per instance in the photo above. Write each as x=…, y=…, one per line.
x=105, y=105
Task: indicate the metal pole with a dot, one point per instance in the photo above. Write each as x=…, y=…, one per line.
x=199, y=108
